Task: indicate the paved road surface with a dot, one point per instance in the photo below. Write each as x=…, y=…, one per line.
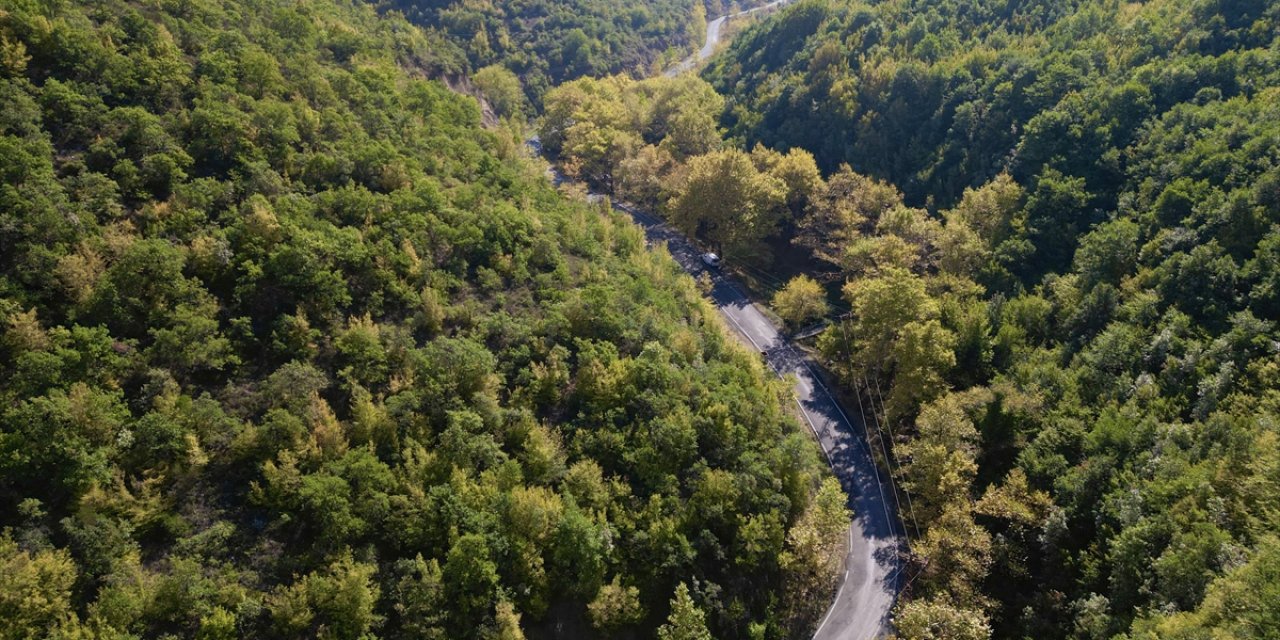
x=714, y=29
x=872, y=571
x=871, y=580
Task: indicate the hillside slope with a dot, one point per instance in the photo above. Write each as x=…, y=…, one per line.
x=291, y=347
x=547, y=42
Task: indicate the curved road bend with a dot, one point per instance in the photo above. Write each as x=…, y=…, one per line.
x=871, y=578
x=713, y=38
x=872, y=567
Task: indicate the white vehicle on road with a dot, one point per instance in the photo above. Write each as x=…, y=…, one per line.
x=711, y=260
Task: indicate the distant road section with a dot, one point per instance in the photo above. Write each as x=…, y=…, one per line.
x=714, y=29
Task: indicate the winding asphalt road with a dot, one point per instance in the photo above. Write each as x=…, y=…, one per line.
x=714, y=29
x=872, y=566
x=873, y=561
x=871, y=578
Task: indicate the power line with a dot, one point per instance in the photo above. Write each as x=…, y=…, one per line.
x=888, y=455
x=875, y=468
x=889, y=427
x=901, y=566
x=889, y=460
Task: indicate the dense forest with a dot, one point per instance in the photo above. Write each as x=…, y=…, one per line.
x=292, y=347
x=546, y=42
x=1052, y=232
x=656, y=143
x=1055, y=231
x=517, y=50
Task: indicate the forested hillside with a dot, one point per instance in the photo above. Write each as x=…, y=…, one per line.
x=1056, y=226
x=291, y=347
x=546, y=42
